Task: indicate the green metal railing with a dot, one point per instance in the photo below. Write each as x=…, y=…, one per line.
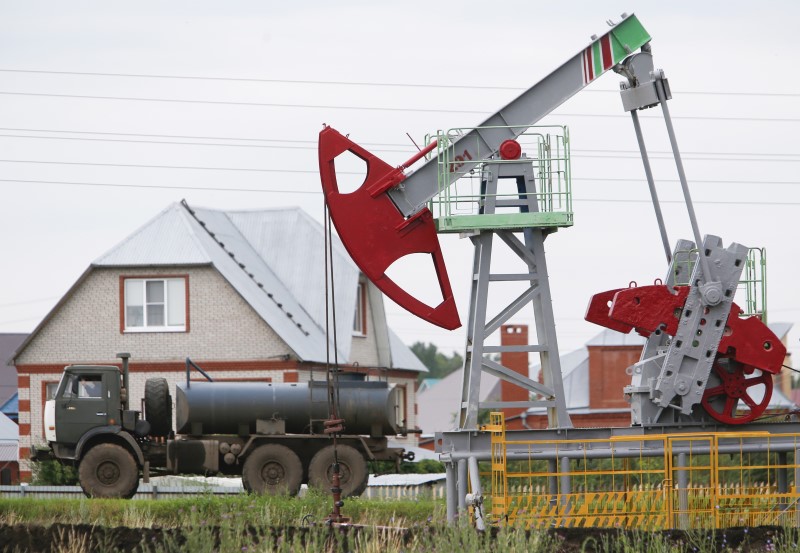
x=458, y=205
x=753, y=281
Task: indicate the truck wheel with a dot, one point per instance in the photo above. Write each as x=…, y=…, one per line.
x=353, y=473
x=158, y=406
x=272, y=469
x=109, y=471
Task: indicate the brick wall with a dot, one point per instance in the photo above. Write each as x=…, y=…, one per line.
x=607, y=376
x=86, y=329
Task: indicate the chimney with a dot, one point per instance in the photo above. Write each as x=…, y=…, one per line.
x=514, y=335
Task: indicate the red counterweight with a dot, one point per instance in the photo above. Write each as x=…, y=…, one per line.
x=747, y=344
x=376, y=234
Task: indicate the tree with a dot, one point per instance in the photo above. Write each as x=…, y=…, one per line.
x=439, y=364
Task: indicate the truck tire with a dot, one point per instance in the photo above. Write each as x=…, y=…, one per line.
x=108, y=471
x=272, y=469
x=353, y=473
x=158, y=406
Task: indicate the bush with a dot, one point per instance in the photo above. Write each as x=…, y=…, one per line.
x=53, y=473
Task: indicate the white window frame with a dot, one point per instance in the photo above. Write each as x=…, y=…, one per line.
x=360, y=315
x=166, y=302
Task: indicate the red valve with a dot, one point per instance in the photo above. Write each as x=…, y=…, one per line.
x=376, y=234
x=510, y=149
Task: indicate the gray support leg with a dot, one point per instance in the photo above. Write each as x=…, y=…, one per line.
x=683, y=492
x=662, y=98
x=552, y=480
x=566, y=484
x=462, y=487
x=451, y=500
x=662, y=229
x=557, y=417
x=796, y=502
x=470, y=395
x=783, y=477
x=477, y=493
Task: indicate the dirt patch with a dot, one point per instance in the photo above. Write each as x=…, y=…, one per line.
x=83, y=537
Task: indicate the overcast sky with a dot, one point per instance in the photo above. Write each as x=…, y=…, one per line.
x=110, y=111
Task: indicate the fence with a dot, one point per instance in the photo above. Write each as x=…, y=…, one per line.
x=150, y=491
x=654, y=482
x=145, y=491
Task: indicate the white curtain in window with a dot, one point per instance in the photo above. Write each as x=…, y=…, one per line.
x=176, y=302
x=134, y=303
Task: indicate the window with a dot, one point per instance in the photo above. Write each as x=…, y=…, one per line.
x=155, y=304
x=84, y=386
x=360, y=318
x=50, y=389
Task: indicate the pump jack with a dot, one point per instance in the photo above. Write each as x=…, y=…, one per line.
x=387, y=218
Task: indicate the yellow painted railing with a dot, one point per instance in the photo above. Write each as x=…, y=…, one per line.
x=661, y=481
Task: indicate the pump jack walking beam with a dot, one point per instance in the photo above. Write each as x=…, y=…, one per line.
x=386, y=218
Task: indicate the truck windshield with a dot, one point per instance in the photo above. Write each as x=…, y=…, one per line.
x=84, y=386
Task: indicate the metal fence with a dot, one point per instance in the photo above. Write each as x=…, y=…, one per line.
x=653, y=482
x=152, y=491
x=146, y=491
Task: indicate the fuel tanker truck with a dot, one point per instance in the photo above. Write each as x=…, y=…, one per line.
x=270, y=434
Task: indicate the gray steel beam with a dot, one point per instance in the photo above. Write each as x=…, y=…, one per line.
x=524, y=111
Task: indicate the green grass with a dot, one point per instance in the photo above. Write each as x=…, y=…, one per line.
x=247, y=509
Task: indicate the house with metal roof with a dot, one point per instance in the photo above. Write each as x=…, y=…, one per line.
x=243, y=293
x=9, y=342
x=9, y=451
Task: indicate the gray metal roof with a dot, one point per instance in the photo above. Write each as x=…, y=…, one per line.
x=9, y=451
x=610, y=337
x=438, y=405
x=274, y=258
x=404, y=479
x=9, y=343
x=9, y=431
x=167, y=239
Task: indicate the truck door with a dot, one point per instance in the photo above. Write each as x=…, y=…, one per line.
x=81, y=406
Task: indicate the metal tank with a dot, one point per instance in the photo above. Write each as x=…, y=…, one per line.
x=235, y=407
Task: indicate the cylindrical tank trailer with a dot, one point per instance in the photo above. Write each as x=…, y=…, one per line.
x=228, y=407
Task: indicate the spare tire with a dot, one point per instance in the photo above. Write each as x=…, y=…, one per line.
x=158, y=406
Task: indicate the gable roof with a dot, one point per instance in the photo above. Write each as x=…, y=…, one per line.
x=438, y=404
x=9, y=431
x=273, y=258
x=9, y=342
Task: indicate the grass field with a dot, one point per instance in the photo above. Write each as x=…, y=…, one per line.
x=247, y=523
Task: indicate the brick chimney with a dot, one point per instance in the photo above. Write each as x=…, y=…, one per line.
x=514, y=335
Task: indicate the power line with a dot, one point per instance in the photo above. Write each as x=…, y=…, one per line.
x=314, y=142
x=28, y=302
x=359, y=83
x=376, y=108
x=278, y=191
x=399, y=148
x=165, y=187
x=262, y=170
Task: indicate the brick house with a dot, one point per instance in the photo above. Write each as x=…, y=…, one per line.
x=240, y=292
